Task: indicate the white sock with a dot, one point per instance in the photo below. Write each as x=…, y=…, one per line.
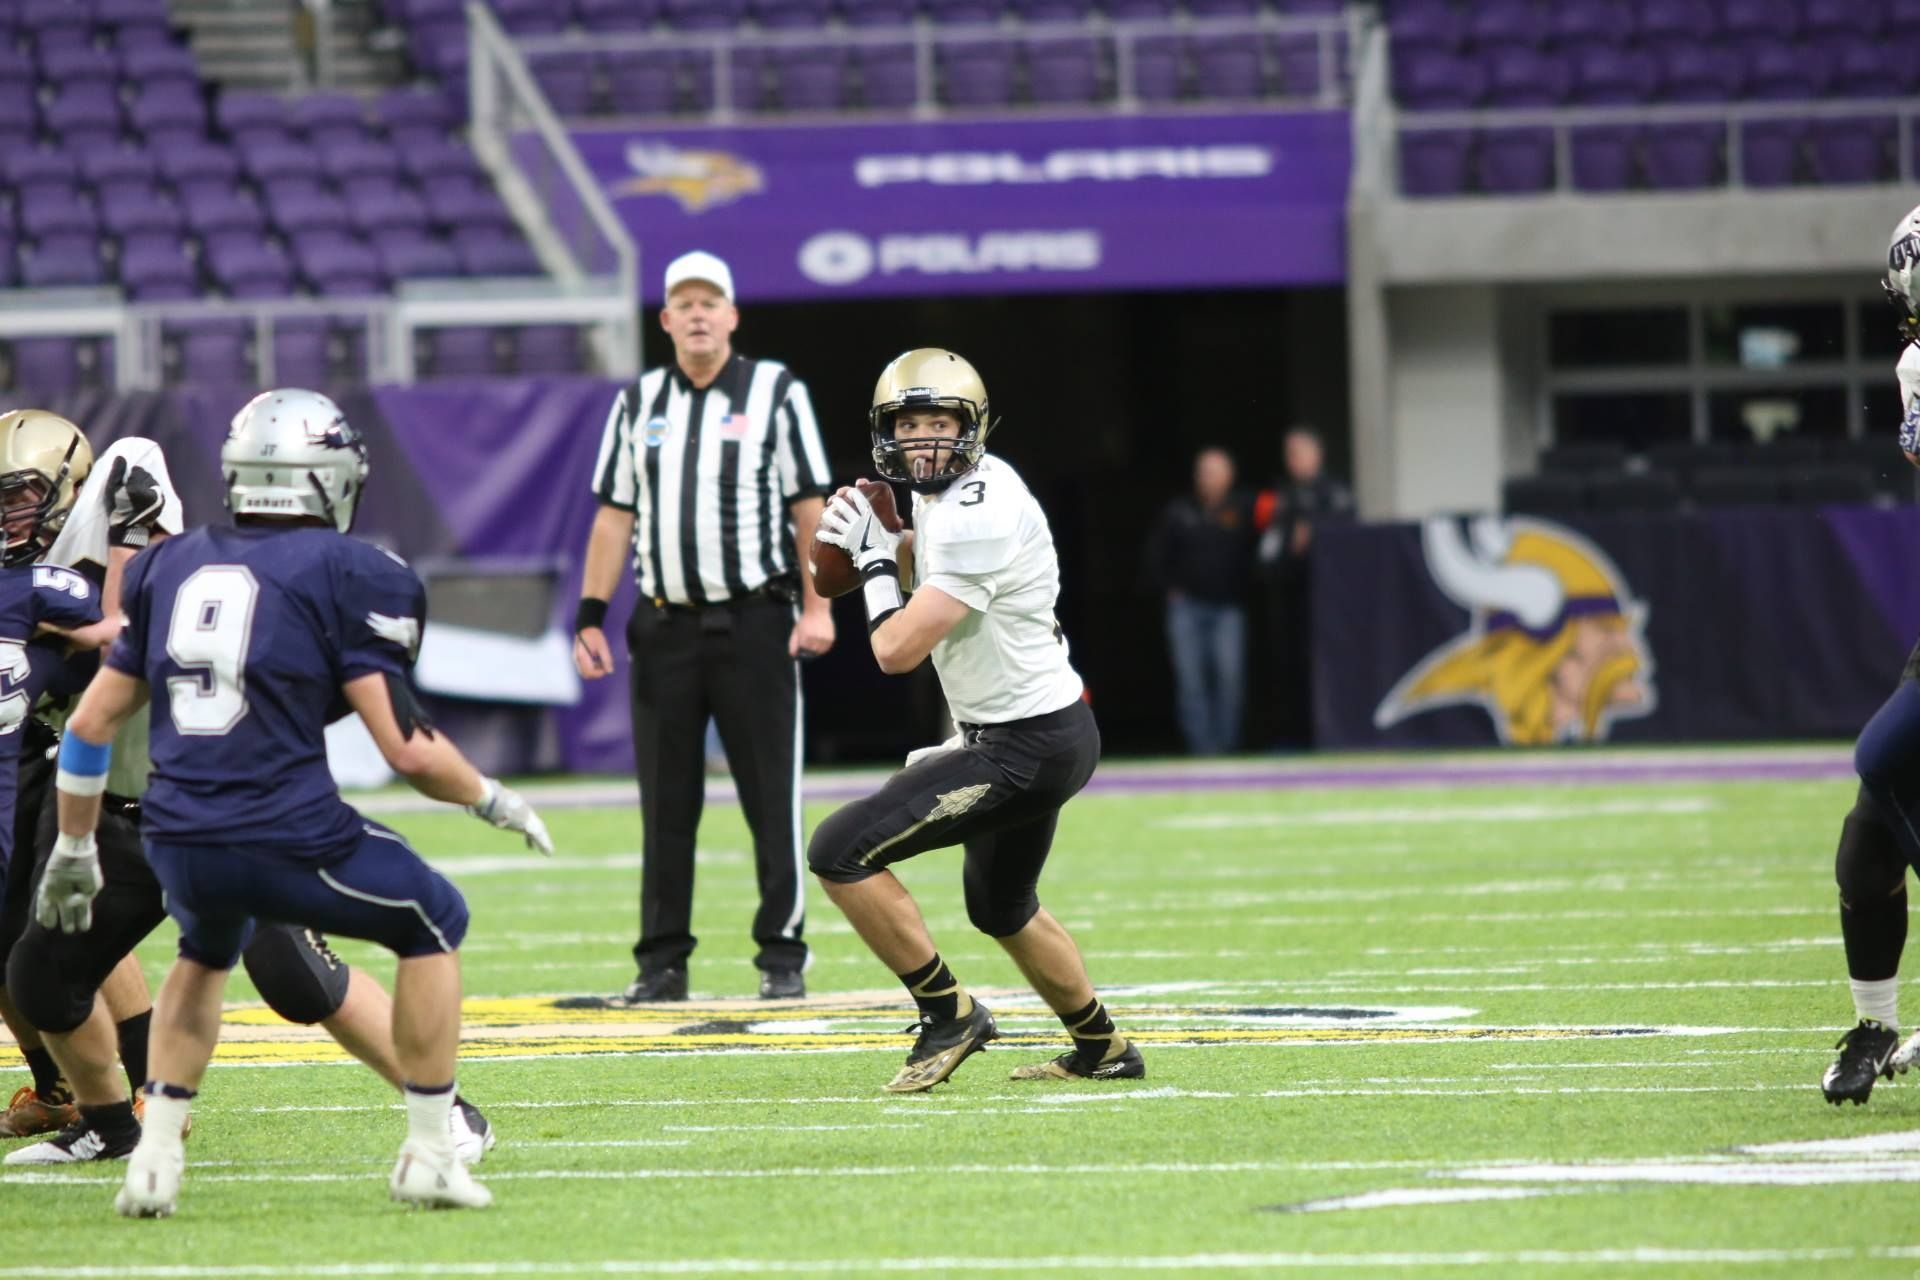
x=166, y=1117
x=430, y=1117
x=1877, y=1001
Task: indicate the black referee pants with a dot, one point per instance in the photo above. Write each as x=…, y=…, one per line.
x=729, y=662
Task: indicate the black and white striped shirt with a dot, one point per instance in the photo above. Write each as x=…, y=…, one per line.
x=708, y=475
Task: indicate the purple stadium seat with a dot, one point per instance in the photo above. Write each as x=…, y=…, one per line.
x=61, y=262
x=440, y=48
x=1770, y=151
x=339, y=265
x=790, y=15
x=169, y=109
x=1420, y=24
x=303, y=209
x=212, y=351
x=252, y=270
x=18, y=113
x=192, y=167
x=44, y=16
x=1676, y=21
x=878, y=13
x=410, y=258
x=214, y=211
x=83, y=111
x=1689, y=74
x=976, y=74
x=546, y=349
x=1063, y=71
x=1760, y=19
x=40, y=169
x=1519, y=76
x=1858, y=150
x=642, y=84
x=113, y=169
x=566, y=79
x=127, y=211
x=266, y=160
x=531, y=17
x=488, y=252
x=1296, y=60
x=133, y=15
x=1603, y=75
x=16, y=65
x=888, y=76
x=344, y=162
x=245, y=112
x=300, y=356
x=1843, y=17
x=9, y=262
x=46, y=366
x=156, y=268
x=811, y=79
x=1053, y=10
x=1226, y=67
x=1132, y=10
x=704, y=15
x=965, y=13
x=462, y=353
x=78, y=64
x=1433, y=162
x=415, y=12
x=328, y=115
x=1157, y=63
x=396, y=207
x=617, y=15
x=437, y=157
x=1780, y=72
x=1433, y=81
x=1579, y=24
x=150, y=64
x=1502, y=23
x=1516, y=160
x=45, y=211
x=1223, y=8
x=414, y=107
x=1601, y=157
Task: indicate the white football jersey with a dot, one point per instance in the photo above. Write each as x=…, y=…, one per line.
x=83, y=540
x=1909, y=371
x=985, y=542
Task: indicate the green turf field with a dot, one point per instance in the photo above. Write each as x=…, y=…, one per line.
x=1566, y=1016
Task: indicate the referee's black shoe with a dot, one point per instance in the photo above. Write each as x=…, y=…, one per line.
x=942, y=1046
x=782, y=984
x=1866, y=1053
x=657, y=988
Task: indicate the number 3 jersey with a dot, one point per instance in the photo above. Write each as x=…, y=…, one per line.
x=984, y=541
x=245, y=637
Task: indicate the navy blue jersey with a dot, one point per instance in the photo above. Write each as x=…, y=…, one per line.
x=29, y=596
x=244, y=637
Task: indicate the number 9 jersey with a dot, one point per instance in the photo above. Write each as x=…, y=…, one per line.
x=244, y=637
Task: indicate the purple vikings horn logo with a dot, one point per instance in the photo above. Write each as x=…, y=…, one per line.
x=1555, y=648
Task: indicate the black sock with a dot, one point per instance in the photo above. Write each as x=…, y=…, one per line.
x=937, y=992
x=46, y=1076
x=113, y=1118
x=1875, y=931
x=1094, y=1037
x=133, y=1047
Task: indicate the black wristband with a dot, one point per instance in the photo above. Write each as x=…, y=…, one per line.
x=591, y=613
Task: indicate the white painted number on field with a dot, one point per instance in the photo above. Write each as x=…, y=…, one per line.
x=212, y=626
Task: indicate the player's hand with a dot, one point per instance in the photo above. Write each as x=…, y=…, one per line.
x=869, y=541
x=837, y=520
x=591, y=656
x=813, y=634
x=68, y=887
x=505, y=809
x=133, y=502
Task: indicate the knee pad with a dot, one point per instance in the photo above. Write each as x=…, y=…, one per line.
x=1870, y=863
x=48, y=995
x=1002, y=914
x=297, y=973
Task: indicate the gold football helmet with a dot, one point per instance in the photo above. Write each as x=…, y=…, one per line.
x=43, y=461
x=930, y=378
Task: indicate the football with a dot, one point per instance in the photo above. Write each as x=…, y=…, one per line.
x=833, y=572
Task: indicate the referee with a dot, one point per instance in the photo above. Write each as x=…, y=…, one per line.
x=709, y=474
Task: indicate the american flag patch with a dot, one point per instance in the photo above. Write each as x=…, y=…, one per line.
x=734, y=427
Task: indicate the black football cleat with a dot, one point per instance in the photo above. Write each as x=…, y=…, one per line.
x=941, y=1047
x=782, y=984
x=1866, y=1053
x=1125, y=1065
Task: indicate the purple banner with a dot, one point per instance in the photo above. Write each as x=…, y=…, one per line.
x=1117, y=202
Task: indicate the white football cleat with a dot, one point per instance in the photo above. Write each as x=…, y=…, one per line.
x=152, y=1186
x=473, y=1136
x=1907, y=1054
x=432, y=1179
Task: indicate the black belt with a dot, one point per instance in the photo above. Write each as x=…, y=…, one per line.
x=782, y=590
x=1050, y=720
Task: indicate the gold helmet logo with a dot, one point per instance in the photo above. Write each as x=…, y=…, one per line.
x=929, y=379
x=43, y=461
x=1555, y=648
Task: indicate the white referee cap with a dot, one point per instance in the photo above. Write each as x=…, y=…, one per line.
x=703, y=266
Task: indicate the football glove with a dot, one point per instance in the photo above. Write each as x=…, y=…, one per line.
x=133, y=502
x=850, y=523
x=505, y=809
x=68, y=887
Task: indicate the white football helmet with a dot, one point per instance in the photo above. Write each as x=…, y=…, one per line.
x=1903, y=290
x=292, y=453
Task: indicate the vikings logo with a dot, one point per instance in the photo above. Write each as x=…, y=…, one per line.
x=1555, y=648
x=698, y=180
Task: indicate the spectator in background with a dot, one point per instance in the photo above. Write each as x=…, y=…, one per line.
x=1201, y=558
x=1304, y=500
